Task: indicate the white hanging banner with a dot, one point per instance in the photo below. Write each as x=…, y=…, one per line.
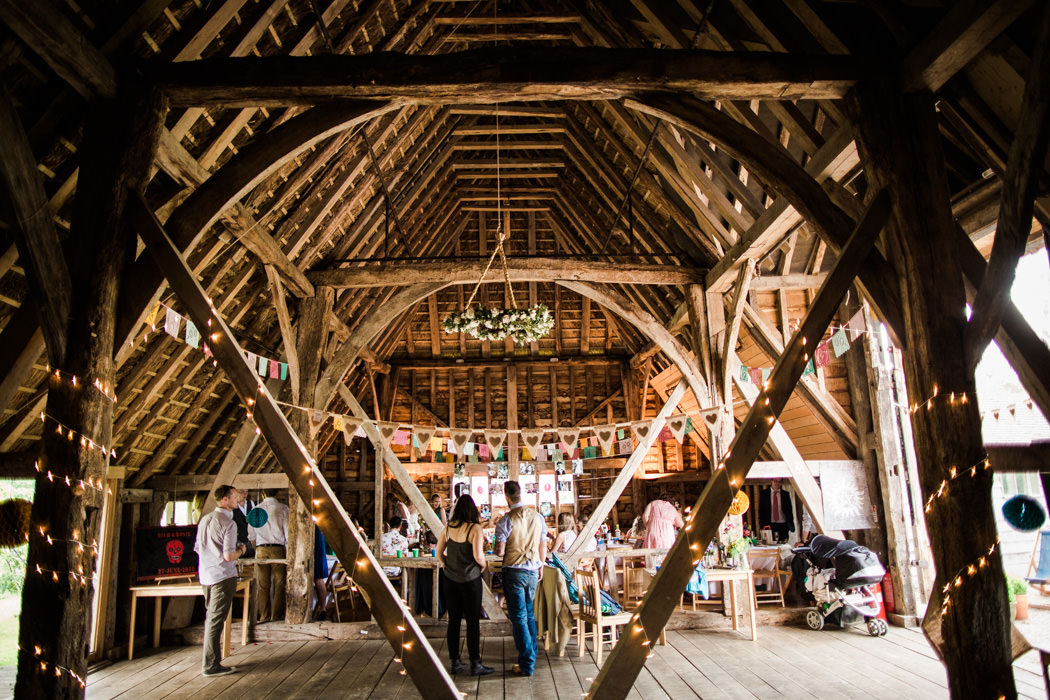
x=676, y=424
x=387, y=430
x=605, y=434
x=350, y=428
x=531, y=438
x=172, y=323
x=569, y=437
x=459, y=437
x=494, y=439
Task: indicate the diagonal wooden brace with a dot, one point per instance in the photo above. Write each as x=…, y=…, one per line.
x=392, y=615
x=621, y=669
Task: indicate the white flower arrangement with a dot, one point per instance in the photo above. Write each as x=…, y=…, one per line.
x=523, y=325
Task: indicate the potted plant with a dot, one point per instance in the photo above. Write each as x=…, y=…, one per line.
x=1017, y=594
x=738, y=550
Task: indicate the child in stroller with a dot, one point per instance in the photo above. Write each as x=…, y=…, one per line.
x=835, y=578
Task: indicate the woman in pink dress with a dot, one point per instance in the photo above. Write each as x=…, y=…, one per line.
x=661, y=518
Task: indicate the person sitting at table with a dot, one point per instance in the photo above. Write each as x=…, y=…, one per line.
x=461, y=551
x=392, y=543
x=566, y=533
x=636, y=535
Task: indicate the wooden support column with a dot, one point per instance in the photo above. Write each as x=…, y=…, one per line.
x=311, y=337
x=621, y=669
x=898, y=138
x=118, y=146
x=419, y=659
x=377, y=510
x=612, y=495
x=104, y=636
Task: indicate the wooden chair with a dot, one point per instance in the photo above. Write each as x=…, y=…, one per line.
x=590, y=611
x=635, y=584
x=1038, y=574
x=766, y=565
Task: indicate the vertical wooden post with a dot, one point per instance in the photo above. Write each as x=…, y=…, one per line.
x=312, y=333
x=901, y=147
x=512, y=455
x=118, y=146
x=380, y=526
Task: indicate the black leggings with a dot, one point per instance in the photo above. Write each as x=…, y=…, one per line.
x=463, y=601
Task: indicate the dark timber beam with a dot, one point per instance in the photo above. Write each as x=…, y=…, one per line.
x=1023, y=169
x=621, y=669
x=304, y=476
x=519, y=270
x=962, y=33
x=508, y=75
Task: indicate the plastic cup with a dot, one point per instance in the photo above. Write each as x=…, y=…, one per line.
x=433, y=551
x=415, y=552
x=398, y=553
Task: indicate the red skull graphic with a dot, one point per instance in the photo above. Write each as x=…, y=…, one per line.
x=174, y=550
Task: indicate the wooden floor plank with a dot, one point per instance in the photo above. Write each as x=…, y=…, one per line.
x=354, y=675
x=790, y=662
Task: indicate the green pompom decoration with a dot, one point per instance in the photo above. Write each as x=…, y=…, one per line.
x=14, y=522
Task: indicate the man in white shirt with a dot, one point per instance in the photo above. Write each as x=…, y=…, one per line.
x=217, y=550
x=391, y=542
x=270, y=540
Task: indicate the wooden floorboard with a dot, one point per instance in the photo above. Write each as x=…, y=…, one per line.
x=784, y=662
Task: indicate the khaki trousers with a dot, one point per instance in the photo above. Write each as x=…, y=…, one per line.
x=218, y=599
x=264, y=573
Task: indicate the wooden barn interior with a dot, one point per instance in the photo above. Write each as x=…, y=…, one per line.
x=774, y=239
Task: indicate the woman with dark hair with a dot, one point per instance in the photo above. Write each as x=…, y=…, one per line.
x=461, y=551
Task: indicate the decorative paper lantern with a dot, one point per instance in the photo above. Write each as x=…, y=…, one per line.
x=740, y=504
x=1024, y=513
x=257, y=517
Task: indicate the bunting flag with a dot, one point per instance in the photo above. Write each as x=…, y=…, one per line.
x=264, y=366
x=152, y=317
x=316, y=420
x=569, y=437
x=284, y=370
x=350, y=428
x=172, y=322
x=822, y=355
x=253, y=359
x=605, y=434
x=676, y=424
x=809, y=369
x=625, y=446
x=755, y=375
x=193, y=336
x=386, y=431
x=494, y=439
x=275, y=369
x=710, y=416
x=423, y=434
x=641, y=428
x=531, y=437
x=459, y=437
x=483, y=451
x=839, y=343
x=856, y=325
x=401, y=437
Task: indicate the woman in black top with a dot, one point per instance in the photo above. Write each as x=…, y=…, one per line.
x=461, y=552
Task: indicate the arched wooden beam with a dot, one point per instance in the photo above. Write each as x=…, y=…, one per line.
x=772, y=165
x=224, y=188
x=651, y=328
x=360, y=337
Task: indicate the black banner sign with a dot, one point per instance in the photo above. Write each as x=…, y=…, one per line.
x=165, y=551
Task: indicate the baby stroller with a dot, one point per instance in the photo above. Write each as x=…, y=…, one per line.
x=836, y=577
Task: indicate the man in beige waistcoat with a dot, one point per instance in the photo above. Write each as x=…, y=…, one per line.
x=521, y=539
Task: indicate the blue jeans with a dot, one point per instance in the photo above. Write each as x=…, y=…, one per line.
x=519, y=586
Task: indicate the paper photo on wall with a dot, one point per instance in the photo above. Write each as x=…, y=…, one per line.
x=529, y=489
x=496, y=496
x=479, y=489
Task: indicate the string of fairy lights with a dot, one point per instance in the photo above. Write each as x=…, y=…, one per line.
x=38, y=653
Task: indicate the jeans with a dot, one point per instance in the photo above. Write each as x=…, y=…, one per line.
x=464, y=602
x=218, y=599
x=519, y=586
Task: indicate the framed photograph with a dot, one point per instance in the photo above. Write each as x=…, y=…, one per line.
x=502, y=472
x=526, y=468
x=559, y=467
x=460, y=470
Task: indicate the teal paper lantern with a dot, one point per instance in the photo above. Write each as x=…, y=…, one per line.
x=1024, y=513
x=257, y=517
